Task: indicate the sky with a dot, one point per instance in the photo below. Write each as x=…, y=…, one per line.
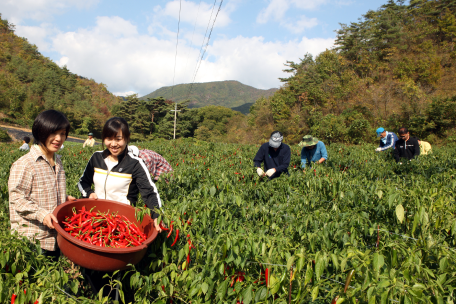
x=131, y=46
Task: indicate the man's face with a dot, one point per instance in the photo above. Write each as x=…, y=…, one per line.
x=90, y=136
x=383, y=134
x=405, y=136
x=311, y=147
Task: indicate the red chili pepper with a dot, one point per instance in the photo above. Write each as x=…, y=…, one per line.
x=188, y=259
x=177, y=237
x=267, y=277
x=13, y=298
x=163, y=227
x=170, y=230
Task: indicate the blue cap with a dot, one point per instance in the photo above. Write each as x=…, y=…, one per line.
x=379, y=131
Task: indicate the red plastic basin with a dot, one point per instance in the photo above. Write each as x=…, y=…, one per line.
x=96, y=257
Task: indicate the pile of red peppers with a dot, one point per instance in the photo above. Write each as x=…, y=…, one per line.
x=103, y=229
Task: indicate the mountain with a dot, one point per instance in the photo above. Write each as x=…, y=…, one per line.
x=394, y=67
x=31, y=83
x=229, y=93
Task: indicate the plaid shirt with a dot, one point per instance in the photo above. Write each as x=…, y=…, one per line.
x=155, y=163
x=35, y=190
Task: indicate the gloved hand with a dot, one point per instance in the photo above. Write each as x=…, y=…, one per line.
x=260, y=172
x=378, y=149
x=270, y=172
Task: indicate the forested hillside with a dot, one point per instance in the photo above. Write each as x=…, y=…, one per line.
x=154, y=118
x=228, y=94
x=394, y=67
x=30, y=83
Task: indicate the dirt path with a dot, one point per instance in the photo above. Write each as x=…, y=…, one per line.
x=18, y=133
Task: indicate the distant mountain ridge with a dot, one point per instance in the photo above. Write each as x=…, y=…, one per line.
x=229, y=93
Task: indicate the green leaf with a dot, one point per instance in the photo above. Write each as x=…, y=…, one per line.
x=247, y=295
x=400, y=213
x=383, y=284
x=290, y=262
x=212, y=191
x=319, y=268
x=261, y=293
x=221, y=291
x=314, y=293
x=204, y=287
x=372, y=300
x=378, y=261
x=309, y=274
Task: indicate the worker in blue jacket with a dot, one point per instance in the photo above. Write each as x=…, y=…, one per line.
x=387, y=140
x=314, y=151
x=275, y=155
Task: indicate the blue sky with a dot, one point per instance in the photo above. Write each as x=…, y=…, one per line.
x=131, y=46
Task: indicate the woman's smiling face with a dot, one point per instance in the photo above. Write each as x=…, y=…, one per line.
x=115, y=144
x=55, y=141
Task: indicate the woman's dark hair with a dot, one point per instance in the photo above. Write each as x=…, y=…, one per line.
x=48, y=122
x=113, y=126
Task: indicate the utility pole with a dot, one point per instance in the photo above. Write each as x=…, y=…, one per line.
x=175, y=118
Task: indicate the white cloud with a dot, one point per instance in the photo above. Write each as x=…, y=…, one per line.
x=17, y=10
x=37, y=34
x=191, y=11
x=301, y=25
x=276, y=9
x=131, y=62
x=124, y=94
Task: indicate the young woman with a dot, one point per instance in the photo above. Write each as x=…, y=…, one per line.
x=117, y=173
x=37, y=183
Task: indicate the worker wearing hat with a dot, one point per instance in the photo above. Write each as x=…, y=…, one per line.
x=314, y=151
x=89, y=141
x=387, y=139
x=275, y=155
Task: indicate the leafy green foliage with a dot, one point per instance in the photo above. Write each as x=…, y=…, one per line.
x=322, y=223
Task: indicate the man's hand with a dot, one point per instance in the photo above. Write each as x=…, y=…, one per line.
x=270, y=172
x=93, y=196
x=157, y=226
x=260, y=172
x=378, y=149
x=48, y=220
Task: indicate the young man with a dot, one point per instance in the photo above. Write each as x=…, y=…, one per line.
x=387, y=140
x=314, y=151
x=25, y=145
x=275, y=155
x=406, y=147
x=89, y=141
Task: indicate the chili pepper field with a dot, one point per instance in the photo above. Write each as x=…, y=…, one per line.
x=357, y=229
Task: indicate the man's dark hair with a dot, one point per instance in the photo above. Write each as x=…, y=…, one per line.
x=280, y=133
x=48, y=122
x=403, y=130
x=26, y=139
x=113, y=126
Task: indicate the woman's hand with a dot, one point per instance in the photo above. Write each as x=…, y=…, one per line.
x=93, y=196
x=157, y=226
x=70, y=198
x=48, y=220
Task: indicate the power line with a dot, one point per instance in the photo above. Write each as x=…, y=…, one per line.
x=194, y=27
x=177, y=43
x=202, y=56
